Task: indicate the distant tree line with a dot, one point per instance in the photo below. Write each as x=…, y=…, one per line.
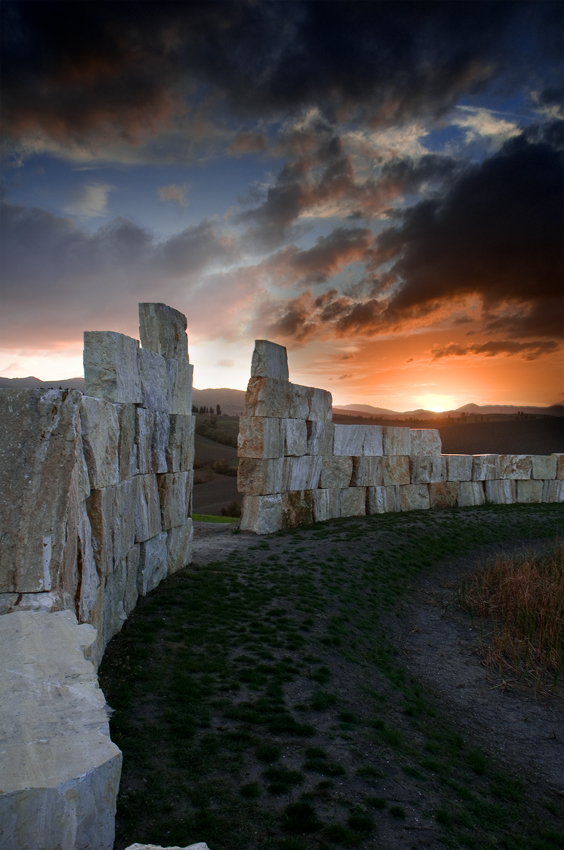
x=207, y=410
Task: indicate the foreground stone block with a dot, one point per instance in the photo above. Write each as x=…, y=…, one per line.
x=152, y=563
x=559, y=466
x=485, y=467
x=301, y=473
x=427, y=470
x=299, y=401
x=111, y=371
x=414, y=497
x=353, y=501
x=145, y=425
x=367, y=472
x=319, y=438
x=425, y=442
x=395, y=470
x=459, y=467
x=471, y=494
x=132, y=567
x=295, y=437
x=180, y=448
x=501, y=492
x=154, y=380
x=260, y=477
x=262, y=514
x=515, y=466
x=383, y=500
x=357, y=440
x=147, y=508
x=297, y=508
x=112, y=513
x=320, y=405
x=172, y=497
x=47, y=602
x=179, y=390
x=159, y=442
x=529, y=492
x=60, y=771
x=396, y=440
x=443, y=494
x=544, y=466
x=269, y=361
x=127, y=445
x=163, y=330
x=260, y=437
x=326, y=504
x=336, y=472
x=553, y=491
x=99, y=422
x=179, y=546
x=268, y=397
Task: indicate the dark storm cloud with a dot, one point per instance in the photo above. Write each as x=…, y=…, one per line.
x=317, y=264
x=529, y=350
x=100, y=70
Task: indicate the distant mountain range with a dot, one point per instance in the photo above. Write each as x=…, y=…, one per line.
x=232, y=402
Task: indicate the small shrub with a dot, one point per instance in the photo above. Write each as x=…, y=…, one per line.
x=251, y=790
x=300, y=818
x=233, y=509
x=397, y=811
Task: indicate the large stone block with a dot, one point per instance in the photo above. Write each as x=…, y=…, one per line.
x=320, y=405
x=353, y=501
x=515, y=466
x=485, y=467
x=179, y=386
x=268, y=397
x=163, y=330
x=262, y=514
x=336, y=472
x=180, y=448
x=414, y=497
x=159, y=442
x=396, y=440
x=260, y=477
x=99, y=422
x=295, y=437
x=301, y=473
x=154, y=380
x=260, y=437
x=326, y=504
x=367, y=472
x=443, y=494
x=395, y=470
x=172, y=496
x=529, y=492
x=86, y=562
x=544, y=466
x=428, y=470
x=127, y=445
x=132, y=566
x=179, y=546
x=559, y=466
x=553, y=490
x=39, y=453
x=459, y=467
x=425, y=442
x=111, y=513
x=382, y=500
x=114, y=616
x=356, y=440
x=60, y=771
x=111, y=370
x=471, y=494
x=152, y=563
x=501, y=491
x=147, y=508
x=269, y=361
x=145, y=425
x=189, y=492
x=297, y=508
x=319, y=438
x=299, y=401
x=373, y=444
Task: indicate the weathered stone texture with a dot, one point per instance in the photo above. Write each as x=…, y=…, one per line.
x=297, y=508
x=544, y=466
x=262, y=514
x=336, y=472
x=428, y=470
x=269, y=361
x=383, y=500
x=111, y=371
x=395, y=470
x=485, y=467
x=268, y=397
x=367, y=472
x=459, y=467
x=299, y=401
x=396, y=440
x=260, y=437
x=159, y=442
x=172, y=496
x=179, y=386
x=414, y=497
x=301, y=473
x=319, y=438
x=425, y=442
x=111, y=513
x=99, y=422
x=353, y=501
x=373, y=444
x=326, y=504
x=147, y=508
x=179, y=546
x=529, y=492
x=60, y=771
x=131, y=593
x=501, y=491
x=145, y=425
x=559, y=466
x=294, y=432
x=127, y=445
x=443, y=494
x=515, y=466
x=180, y=447
x=320, y=405
x=154, y=380
x=163, y=329
x=357, y=440
x=260, y=477
x=470, y=494
x=553, y=491
x=152, y=563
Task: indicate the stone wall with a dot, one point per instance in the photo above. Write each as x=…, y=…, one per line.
x=297, y=467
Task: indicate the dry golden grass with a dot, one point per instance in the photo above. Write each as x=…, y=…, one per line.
x=524, y=597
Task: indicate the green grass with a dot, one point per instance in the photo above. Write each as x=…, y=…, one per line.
x=243, y=731
x=210, y=518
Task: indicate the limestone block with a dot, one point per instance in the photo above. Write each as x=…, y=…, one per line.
x=99, y=421
x=152, y=563
x=471, y=494
x=348, y=440
x=60, y=771
x=163, y=329
x=320, y=405
x=201, y=845
x=367, y=472
x=301, y=473
x=114, y=616
x=485, y=467
x=295, y=437
x=111, y=513
x=47, y=602
x=553, y=491
x=459, y=467
x=373, y=443
x=559, y=466
x=260, y=437
x=395, y=470
x=530, y=491
x=268, y=397
x=180, y=447
x=111, y=371
x=39, y=481
x=396, y=440
x=89, y=579
x=154, y=380
x=443, y=494
x=145, y=425
x=414, y=497
x=269, y=361
x=515, y=466
x=299, y=401
x=260, y=477
x=383, y=500
x=147, y=508
x=297, y=508
x=326, y=504
x=425, y=442
x=179, y=546
x=131, y=593
x=172, y=496
x=428, y=470
x=336, y=472
x=353, y=501
x=544, y=466
x=501, y=491
x=179, y=385
x=127, y=445
x=319, y=438
x=189, y=492
x=159, y=442
x=262, y=514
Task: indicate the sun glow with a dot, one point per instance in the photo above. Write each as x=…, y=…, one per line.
x=437, y=403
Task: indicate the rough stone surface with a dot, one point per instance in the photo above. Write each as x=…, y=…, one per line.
x=260, y=477
x=53, y=600
x=485, y=467
x=373, y=443
x=336, y=472
x=529, y=492
x=319, y=438
x=544, y=466
x=459, y=467
x=172, y=497
x=295, y=437
x=367, y=472
x=353, y=501
x=425, y=442
x=260, y=437
x=147, y=508
x=163, y=329
x=553, y=491
x=501, y=491
x=132, y=567
x=515, y=466
x=99, y=422
x=111, y=370
x=348, y=440
x=262, y=514
x=268, y=397
x=154, y=380
x=299, y=401
x=269, y=361
x=443, y=494
x=159, y=442
x=112, y=513
x=297, y=508
x=326, y=504
x=60, y=771
x=180, y=447
x=301, y=473
x=427, y=470
x=145, y=425
x=179, y=375
x=383, y=500
x=414, y=497
x=127, y=446
x=152, y=563
x=470, y=494
x=320, y=405
x=559, y=466
x=395, y=470
x=179, y=546
x=396, y=440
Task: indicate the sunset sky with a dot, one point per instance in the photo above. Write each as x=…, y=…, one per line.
x=375, y=185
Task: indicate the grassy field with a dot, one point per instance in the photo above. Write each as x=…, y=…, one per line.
x=260, y=703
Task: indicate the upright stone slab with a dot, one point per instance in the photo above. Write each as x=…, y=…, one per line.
x=414, y=497
x=485, y=467
x=269, y=361
x=471, y=494
x=179, y=389
x=544, y=467
x=320, y=405
x=163, y=329
x=258, y=477
x=443, y=494
x=427, y=470
x=100, y=439
x=262, y=514
x=348, y=440
x=180, y=448
x=353, y=501
x=172, y=496
x=154, y=380
x=299, y=401
x=301, y=473
x=111, y=370
x=319, y=438
x=145, y=425
x=147, y=508
x=383, y=500
x=152, y=563
x=60, y=771
x=373, y=443
x=396, y=440
x=559, y=466
x=297, y=508
x=127, y=445
x=336, y=472
x=159, y=442
x=459, y=467
x=529, y=492
x=395, y=470
x=367, y=472
x=501, y=491
x=425, y=442
x=326, y=504
x=295, y=437
x=260, y=437
x=553, y=491
x=268, y=397
x=515, y=466
x=179, y=546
